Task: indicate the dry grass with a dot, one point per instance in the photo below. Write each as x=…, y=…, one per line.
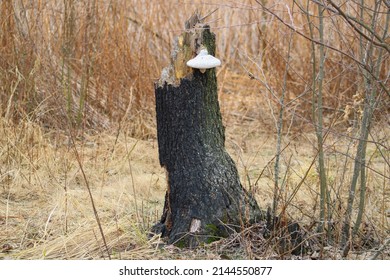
x=45, y=211
x=84, y=70
x=45, y=208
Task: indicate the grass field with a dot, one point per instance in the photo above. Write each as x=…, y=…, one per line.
x=77, y=114
x=46, y=211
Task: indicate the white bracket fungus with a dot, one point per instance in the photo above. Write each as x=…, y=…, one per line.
x=203, y=61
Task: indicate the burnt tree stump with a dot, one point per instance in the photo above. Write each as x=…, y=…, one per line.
x=204, y=198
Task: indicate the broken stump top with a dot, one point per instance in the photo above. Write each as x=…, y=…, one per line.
x=196, y=36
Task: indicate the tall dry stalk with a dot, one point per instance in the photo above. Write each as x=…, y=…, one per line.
x=67, y=55
x=95, y=211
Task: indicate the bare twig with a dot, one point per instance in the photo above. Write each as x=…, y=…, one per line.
x=349, y=20
x=277, y=190
x=364, y=66
x=90, y=195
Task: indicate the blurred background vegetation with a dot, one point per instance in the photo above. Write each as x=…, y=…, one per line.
x=94, y=62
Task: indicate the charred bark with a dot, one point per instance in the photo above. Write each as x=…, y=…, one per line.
x=204, y=198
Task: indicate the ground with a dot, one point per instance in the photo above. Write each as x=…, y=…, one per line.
x=46, y=211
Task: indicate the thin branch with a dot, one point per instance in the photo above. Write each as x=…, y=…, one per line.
x=364, y=66
x=380, y=44
x=354, y=19
x=90, y=195
x=278, y=189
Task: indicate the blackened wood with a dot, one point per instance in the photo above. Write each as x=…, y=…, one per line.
x=204, y=197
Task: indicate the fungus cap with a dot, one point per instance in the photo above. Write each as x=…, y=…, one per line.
x=203, y=61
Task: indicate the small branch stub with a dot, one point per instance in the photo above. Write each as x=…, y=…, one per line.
x=195, y=225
